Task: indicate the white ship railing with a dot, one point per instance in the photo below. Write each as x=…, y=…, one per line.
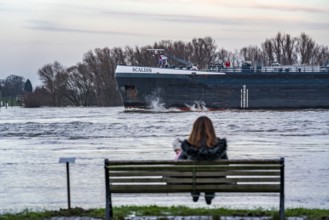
x=274, y=69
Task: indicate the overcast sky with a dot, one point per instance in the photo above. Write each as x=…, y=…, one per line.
x=38, y=32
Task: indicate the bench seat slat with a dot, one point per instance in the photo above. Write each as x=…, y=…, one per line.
x=247, y=188
x=198, y=168
x=237, y=161
x=222, y=180
x=137, y=180
x=185, y=174
x=191, y=180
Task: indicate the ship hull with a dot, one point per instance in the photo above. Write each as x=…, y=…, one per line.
x=270, y=90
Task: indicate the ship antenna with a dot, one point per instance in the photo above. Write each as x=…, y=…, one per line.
x=155, y=51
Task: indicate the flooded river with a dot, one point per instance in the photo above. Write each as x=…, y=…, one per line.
x=33, y=140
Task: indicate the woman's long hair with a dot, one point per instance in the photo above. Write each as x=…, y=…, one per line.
x=203, y=130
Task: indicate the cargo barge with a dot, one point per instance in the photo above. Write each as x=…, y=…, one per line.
x=246, y=87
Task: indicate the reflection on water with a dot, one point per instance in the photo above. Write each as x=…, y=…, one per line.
x=33, y=140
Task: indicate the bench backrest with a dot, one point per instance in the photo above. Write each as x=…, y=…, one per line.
x=247, y=176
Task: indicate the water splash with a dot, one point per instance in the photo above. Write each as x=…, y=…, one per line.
x=198, y=106
x=156, y=105
x=154, y=102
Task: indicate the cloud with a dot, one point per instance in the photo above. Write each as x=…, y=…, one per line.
x=174, y=18
x=292, y=8
x=267, y=5
x=52, y=26
x=220, y=21
x=4, y=7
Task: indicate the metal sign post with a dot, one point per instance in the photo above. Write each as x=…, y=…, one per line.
x=67, y=160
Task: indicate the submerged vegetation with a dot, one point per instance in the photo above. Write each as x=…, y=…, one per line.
x=125, y=211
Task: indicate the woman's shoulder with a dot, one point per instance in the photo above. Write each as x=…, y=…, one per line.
x=220, y=146
x=221, y=142
x=185, y=144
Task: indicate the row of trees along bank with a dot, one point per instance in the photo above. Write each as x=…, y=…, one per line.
x=91, y=82
x=12, y=90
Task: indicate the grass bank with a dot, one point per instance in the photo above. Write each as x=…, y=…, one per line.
x=124, y=211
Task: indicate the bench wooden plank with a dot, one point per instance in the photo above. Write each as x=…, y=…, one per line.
x=198, y=174
x=191, y=180
x=250, y=188
x=189, y=167
x=232, y=161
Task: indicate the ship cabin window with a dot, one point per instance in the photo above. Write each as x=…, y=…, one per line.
x=131, y=91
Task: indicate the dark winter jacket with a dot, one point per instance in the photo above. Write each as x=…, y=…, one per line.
x=190, y=152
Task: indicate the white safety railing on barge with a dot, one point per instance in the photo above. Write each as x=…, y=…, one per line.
x=274, y=69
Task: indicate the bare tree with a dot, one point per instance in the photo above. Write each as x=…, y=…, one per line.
x=143, y=56
x=281, y=49
x=268, y=52
x=289, y=50
x=180, y=50
x=253, y=54
x=322, y=55
x=277, y=45
x=61, y=87
x=204, y=51
x=221, y=56
x=39, y=97
x=80, y=85
x=93, y=63
x=130, y=59
x=101, y=64
x=176, y=49
x=118, y=56
x=47, y=77
x=306, y=48
x=54, y=79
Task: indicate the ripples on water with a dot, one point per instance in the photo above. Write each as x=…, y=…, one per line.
x=33, y=140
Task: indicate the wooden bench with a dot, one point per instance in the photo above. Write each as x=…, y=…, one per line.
x=167, y=176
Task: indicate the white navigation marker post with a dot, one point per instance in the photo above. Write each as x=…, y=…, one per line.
x=67, y=160
x=244, y=97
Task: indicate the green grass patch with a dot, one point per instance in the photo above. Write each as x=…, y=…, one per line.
x=124, y=211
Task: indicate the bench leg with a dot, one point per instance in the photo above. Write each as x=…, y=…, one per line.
x=281, y=213
x=108, y=208
x=108, y=196
x=282, y=190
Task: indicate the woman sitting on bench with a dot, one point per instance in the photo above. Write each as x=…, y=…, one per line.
x=203, y=145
